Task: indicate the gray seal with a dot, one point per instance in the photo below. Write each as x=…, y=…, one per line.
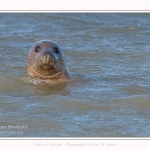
x=46, y=61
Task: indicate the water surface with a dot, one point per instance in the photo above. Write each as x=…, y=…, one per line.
x=108, y=55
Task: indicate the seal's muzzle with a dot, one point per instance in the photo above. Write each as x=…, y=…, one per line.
x=47, y=60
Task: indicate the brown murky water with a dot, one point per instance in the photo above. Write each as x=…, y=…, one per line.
x=109, y=58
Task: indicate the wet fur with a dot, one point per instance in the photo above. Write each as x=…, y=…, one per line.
x=59, y=70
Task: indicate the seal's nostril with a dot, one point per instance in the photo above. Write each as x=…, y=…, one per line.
x=46, y=54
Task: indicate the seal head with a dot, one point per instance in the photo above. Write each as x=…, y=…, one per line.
x=46, y=61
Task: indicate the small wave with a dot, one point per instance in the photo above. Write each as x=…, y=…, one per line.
x=136, y=90
x=32, y=80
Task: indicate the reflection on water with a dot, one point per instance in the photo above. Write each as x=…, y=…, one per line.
x=108, y=57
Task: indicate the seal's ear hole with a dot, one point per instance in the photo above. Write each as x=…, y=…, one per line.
x=55, y=49
x=37, y=49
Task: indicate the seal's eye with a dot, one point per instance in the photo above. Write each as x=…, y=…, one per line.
x=55, y=49
x=37, y=49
